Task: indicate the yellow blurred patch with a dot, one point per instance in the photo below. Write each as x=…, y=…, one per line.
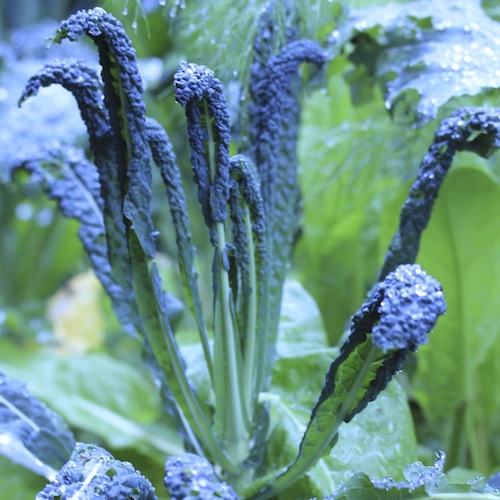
x=76, y=314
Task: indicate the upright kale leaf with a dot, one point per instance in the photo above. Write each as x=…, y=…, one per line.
x=123, y=98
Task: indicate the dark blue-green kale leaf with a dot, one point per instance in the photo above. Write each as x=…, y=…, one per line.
x=82, y=191
x=273, y=129
x=30, y=433
x=93, y=473
x=190, y=476
x=469, y=129
x=164, y=158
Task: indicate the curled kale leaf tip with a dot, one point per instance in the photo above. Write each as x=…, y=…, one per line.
x=191, y=476
x=192, y=82
x=202, y=95
x=410, y=304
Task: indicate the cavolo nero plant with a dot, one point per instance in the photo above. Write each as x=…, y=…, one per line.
x=249, y=205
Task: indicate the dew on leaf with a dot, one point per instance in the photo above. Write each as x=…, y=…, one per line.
x=24, y=211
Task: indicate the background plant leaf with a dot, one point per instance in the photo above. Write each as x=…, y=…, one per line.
x=354, y=158
x=422, y=53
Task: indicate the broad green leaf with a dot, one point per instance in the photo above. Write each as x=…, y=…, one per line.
x=302, y=356
x=31, y=434
x=423, y=53
x=395, y=319
x=361, y=487
x=98, y=394
x=300, y=321
x=462, y=247
x=379, y=441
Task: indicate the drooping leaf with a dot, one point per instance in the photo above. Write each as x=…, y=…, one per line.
x=123, y=99
x=422, y=53
x=86, y=86
x=73, y=182
x=30, y=433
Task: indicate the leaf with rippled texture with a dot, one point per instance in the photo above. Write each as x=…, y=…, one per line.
x=422, y=54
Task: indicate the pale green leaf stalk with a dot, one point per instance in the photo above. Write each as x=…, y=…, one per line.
x=230, y=418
